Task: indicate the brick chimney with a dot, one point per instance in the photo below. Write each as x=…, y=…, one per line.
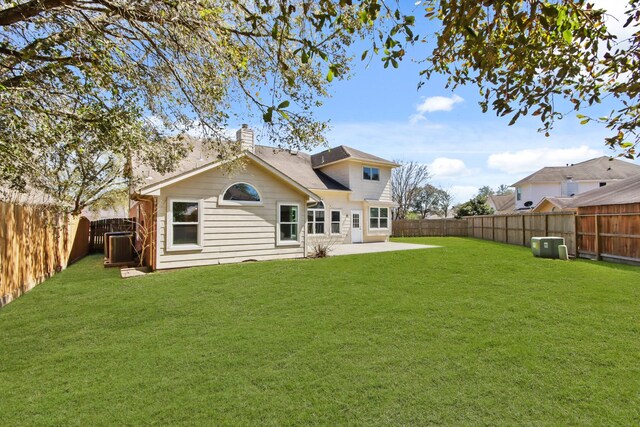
x=244, y=136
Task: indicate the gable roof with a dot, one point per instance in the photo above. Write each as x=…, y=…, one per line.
x=617, y=193
x=297, y=165
x=342, y=152
x=599, y=169
x=562, y=203
x=153, y=187
x=502, y=202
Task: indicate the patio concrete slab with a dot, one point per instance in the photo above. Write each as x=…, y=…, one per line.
x=366, y=248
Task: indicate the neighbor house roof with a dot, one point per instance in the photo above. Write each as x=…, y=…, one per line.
x=502, y=203
x=562, y=203
x=616, y=193
x=342, y=152
x=599, y=169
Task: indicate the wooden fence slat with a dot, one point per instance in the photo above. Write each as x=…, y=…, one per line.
x=35, y=242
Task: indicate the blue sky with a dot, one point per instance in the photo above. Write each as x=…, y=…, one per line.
x=380, y=111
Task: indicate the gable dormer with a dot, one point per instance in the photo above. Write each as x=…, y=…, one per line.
x=368, y=176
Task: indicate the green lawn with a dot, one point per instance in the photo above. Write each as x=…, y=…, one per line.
x=470, y=333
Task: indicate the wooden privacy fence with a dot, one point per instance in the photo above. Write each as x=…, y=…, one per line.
x=610, y=232
x=518, y=229
x=36, y=242
x=101, y=226
x=603, y=232
x=429, y=227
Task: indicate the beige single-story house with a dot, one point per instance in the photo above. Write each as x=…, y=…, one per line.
x=276, y=206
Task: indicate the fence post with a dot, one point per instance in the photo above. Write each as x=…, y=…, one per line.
x=597, y=238
x=575, y=233
x=546, y=224
x=524, y=234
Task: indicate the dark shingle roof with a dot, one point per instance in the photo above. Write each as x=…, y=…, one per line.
x=599, y=169
x=342, y=152
x=616, y=193
x=297, y=166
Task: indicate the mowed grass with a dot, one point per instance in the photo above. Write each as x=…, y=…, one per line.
x=472, y=333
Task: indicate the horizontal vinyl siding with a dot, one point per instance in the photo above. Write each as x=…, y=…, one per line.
x=341, y=202
x=231, y=233
x=339, y=171
x=374, y=190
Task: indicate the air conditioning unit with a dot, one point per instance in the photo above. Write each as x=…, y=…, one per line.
x=546, y=247
x=118, y=248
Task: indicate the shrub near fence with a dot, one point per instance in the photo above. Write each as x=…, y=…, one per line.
x=35, y=242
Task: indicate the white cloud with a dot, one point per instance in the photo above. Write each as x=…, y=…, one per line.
x=462, y=193
x=530, y=160
x=443, y=167
x=615, y=17
x=433, y=104
x=438, y=103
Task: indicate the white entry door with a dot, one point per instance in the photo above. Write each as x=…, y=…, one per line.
x=356, y=226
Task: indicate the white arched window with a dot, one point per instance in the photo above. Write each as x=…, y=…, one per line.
x=240, y=193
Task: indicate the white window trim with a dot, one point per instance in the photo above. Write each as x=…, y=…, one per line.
x=378, y=217
x=331, y=222
x=222, y=202
x=300, y=231
x=169, y=226
x=314, y=222
x=370, y=167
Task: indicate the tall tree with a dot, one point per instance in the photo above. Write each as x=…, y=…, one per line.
x=485, y=191
x=444, y=199
x=406, y=182
x=186, y=65
x=504, y=189
x=425, y=201
x=476, y=206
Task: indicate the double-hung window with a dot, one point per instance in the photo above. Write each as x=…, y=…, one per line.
x=335, y=222
x=315, y=219
x=287, y=232
x=378, y=218
x=370, y=173
x=184, y=224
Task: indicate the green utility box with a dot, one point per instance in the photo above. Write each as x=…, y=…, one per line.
x=546, y=247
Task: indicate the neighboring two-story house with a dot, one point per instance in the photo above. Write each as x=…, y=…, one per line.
x=568, y=181
x=276, y=206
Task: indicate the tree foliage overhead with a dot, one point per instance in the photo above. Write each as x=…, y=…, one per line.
x=186, y=65
x=168, y=67
x=527, y=56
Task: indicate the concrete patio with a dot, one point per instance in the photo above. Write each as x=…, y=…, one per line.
x=366, y=248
